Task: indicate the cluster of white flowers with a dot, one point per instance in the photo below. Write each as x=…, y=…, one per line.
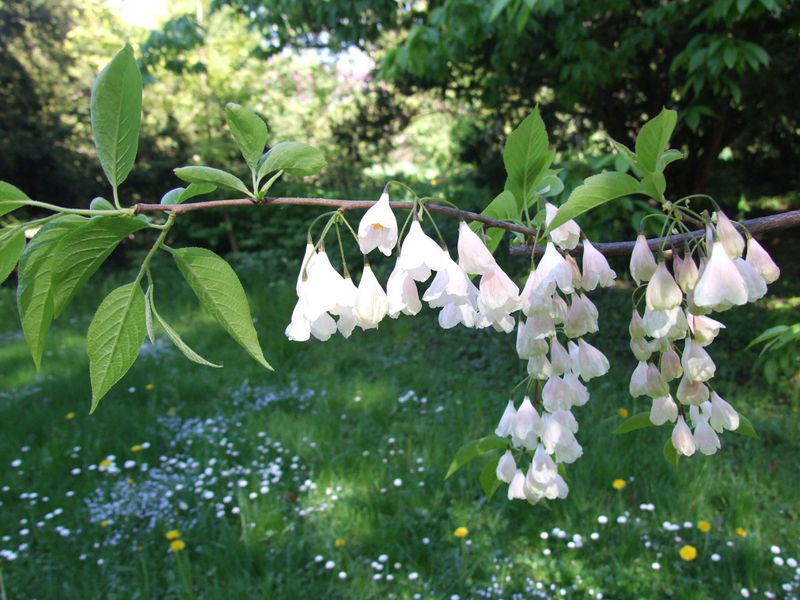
x=677, y=305
x=553, y=302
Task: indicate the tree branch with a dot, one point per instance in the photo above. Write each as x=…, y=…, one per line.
x=758, y=225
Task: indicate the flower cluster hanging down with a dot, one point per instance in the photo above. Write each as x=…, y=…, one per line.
x=676, y=329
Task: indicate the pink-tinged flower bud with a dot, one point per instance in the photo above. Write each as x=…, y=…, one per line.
x=704, y=329
x=527, y=425
x=756, y=286
x=670, y=365
x=686, y=273
x=761, y=261
x=378, y=228
x=636, y=327
x=506, y=467
x=723, y=415
x=516, y=489
x=682, y=439
x=696, y=362
x=372, y=304
x=721, y=285
x=663, y=409
x=506, y=421
x=473, y=255
x=576, y=272
x=565, y=236
x=560, y=361
x=662, y=291
x=581, y=317
x=727, y=234
x=402, y=294
x=643, y=264
x=705, y=439
x=539, y=367
x=691, y=392
x=595, y=269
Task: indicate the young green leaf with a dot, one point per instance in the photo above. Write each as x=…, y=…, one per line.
x=653, y=139
x=637, y=421
x=503, y=208
x=35, y=287
x=595, y=190
x=488, y=476
x=81, y=252
x=627, y=155
x=249, y=132
x=100, y=204
x=474, y=449
x=115, y=335
x=220, y=292
x=172, y=196
x=746, y=427
x=670, y=454
x=174, y=337
x=196, y=189
x=116, y=110
x=526, y=156
x=10, y=250
x=212, y=176
x=295, y=158
x=11, y=198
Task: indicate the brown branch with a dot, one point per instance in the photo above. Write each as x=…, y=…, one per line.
x=761, y=224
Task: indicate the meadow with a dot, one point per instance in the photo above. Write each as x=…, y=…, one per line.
x=325, y=479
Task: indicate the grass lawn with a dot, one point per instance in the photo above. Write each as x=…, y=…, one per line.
x=325, y=479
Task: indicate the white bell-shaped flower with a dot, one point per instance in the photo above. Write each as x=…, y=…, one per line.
x=704, y=329
x=636, y=327
x=450, y=286
x=419, y=254
x=587, y=361
x=662, y=291
x=506, y=421
x=322, y=288
x=560, y=361
x=559, y=440
x=557, y=394
x=665, y=323
x=516, y=489
x=721, y=285
x=686, y=273
x=473, y=255
x=756, y=286
x=705, y=438
x=642, y=348
x=346, y=308
x=691, y=392
x=539, y=367
x=723, y=415
x=454, y=314
x=671, y=365
x=663, y=409
x=498, y=295
x=506, y=467
x=527, y=425
x=543, y=469
x=682, y=439
x=696, y=362
x=638, y=383
x=551, y=271
x=372, y=304
x=299, y=328
x=580, y=395
x=761, y=261
x=378, y=228
x=402, y=294
x=581, y=317
x=529, y=342
x=643, y=263
x=595, y=269
x=565, y=236
x=567, y=419
x=726, y=232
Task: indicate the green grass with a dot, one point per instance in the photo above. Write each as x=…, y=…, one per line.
x=349, y=440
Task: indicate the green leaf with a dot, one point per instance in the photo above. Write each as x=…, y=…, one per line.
x=653, y=139
x=668, y=157
x=116, y=110
x=637, y=421
x=35, y=289
x=249, y=132
x=595, y=190
x=627, y=155
x=746, y=427
x=196, y=189
x=526, y=156
x=220, y=292
x=9, y=198
x=115, y=335
x=654, y=184
x=488, y=476
x=670, y=454
x=100, y=204
x=497, y=7
x=474, y=449
x=175, y=338
x=172, y=196
x=295, y=158
x=10, y=250
x=504, y=208
x=549, y=185
x=81, y=252
x=212, y=176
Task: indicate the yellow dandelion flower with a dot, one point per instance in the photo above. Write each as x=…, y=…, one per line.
x=461, y=532
x=130, y=481
x=104, y=464
x=173, y=534
x=139, y=549
x=103, y=523
x=618, y=484
x=623, y=412
x=339, y=543
x=741, y=532
x=688, y=553
x=149, y=387
x=69, y=416
x=136, y=448
x=177, y=545
x=704, y=526
x=171, y=411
